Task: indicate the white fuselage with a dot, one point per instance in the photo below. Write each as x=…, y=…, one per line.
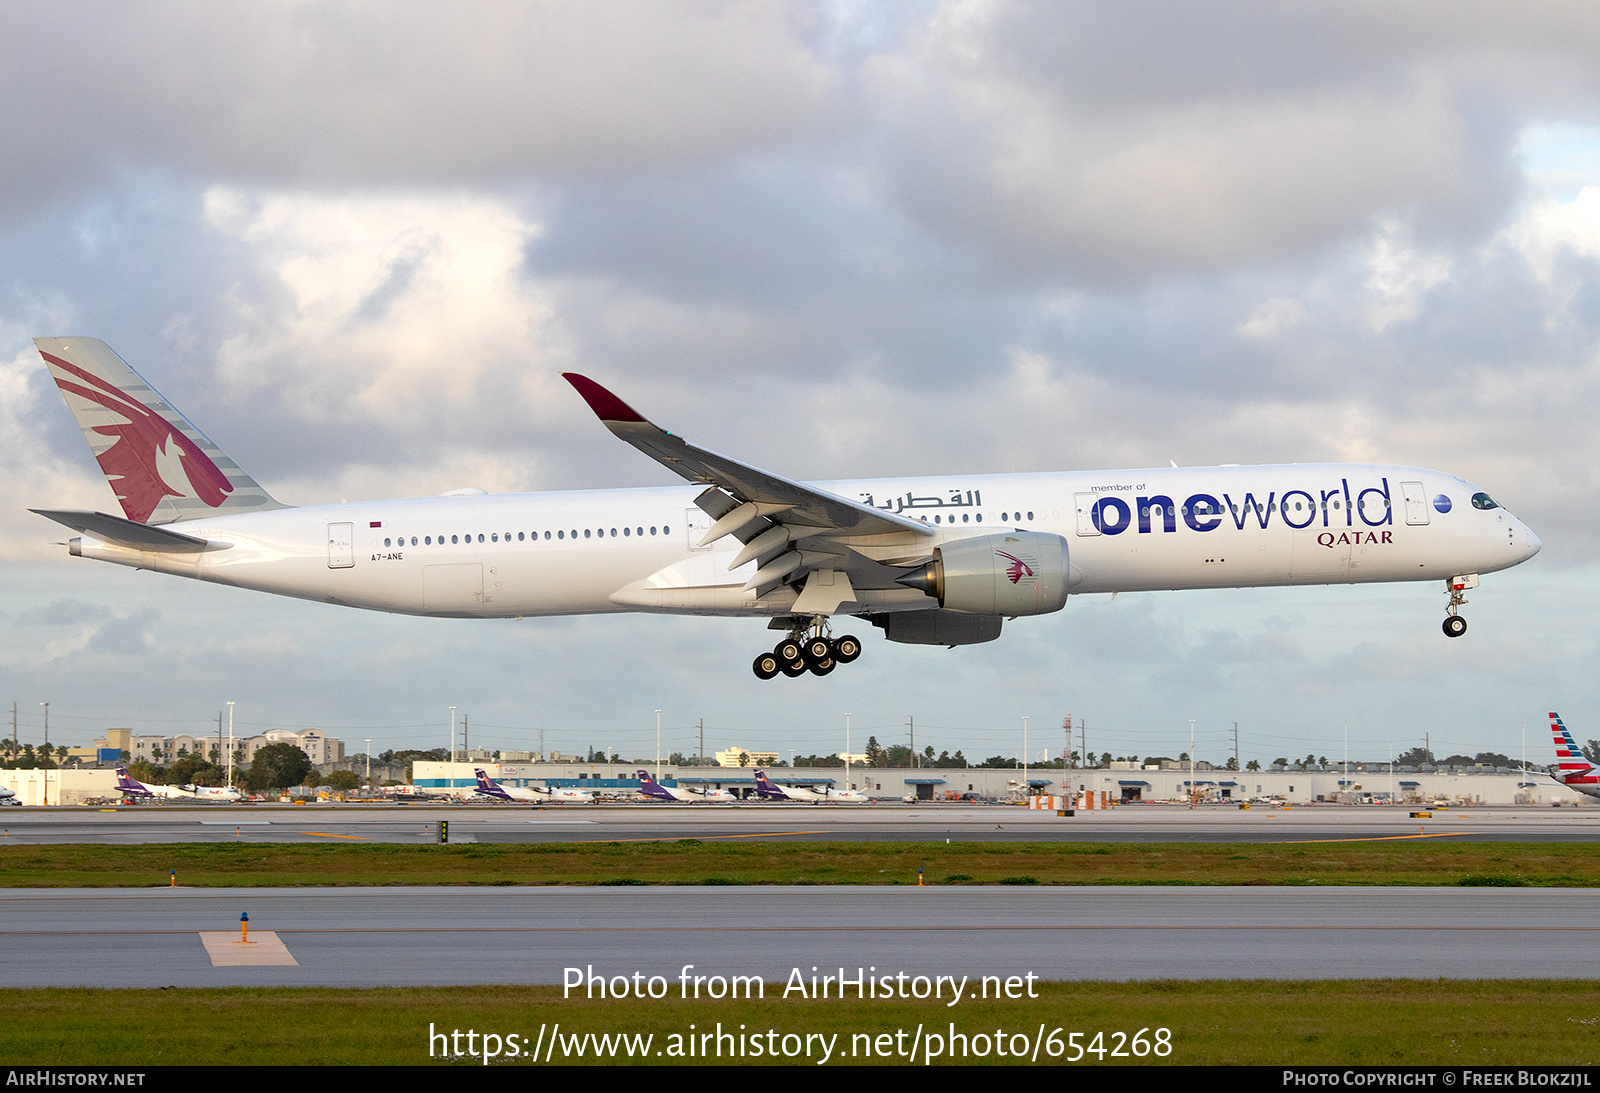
x=589, y=552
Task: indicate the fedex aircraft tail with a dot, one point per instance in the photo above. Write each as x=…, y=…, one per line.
x=487, y=785
x=1570, y=762
x=645, y=779
x=160, y=467
x=126, y=784
x=764, y=784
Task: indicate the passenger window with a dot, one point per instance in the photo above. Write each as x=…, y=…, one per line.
x=625, y=532
x=453, y=539
x=547, y=535
x=519, y=536
x=386, y=543
x=559, y=534
x=495, y=537
x=652, y=531
x=585, y=533
x=480, y=538
x=613, y=533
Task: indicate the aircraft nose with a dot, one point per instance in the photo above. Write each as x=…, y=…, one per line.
x=1530, y=542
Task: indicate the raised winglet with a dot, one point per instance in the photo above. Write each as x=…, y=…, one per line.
x=606, y=406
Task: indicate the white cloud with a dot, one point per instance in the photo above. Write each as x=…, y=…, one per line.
x=1271, y=318
x=1399, y=276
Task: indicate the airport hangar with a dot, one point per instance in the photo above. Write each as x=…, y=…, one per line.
x=1116, y=786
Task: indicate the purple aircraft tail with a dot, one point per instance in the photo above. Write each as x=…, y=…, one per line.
x=126, y=784
x=489, y=787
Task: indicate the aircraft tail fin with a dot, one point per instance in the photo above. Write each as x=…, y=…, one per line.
x=1570, y=761
x=161, y=467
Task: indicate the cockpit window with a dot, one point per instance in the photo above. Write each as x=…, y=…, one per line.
x=1483, y=501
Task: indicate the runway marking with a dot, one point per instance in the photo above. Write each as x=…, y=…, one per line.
x=841, y=928
x=234, y=823
x=265, y=950
x=1374, y=839
x=679, y=838
x=331, y=835
x=560, y=821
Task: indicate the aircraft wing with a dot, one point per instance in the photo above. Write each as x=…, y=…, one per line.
x=750, y=503
x=797, y=502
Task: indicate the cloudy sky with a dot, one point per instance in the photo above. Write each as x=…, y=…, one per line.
x=357, y=243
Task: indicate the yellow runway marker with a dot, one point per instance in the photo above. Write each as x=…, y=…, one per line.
x=331, y=835
x=226, y=951
x=1375, y=839
x=756, y=835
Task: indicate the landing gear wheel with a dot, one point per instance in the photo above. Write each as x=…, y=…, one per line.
x=822, y=667
x=792, y=668
x=818, y=649
x=1454, y=626
x=788, y=650
x=766, y=665
x=847, y=648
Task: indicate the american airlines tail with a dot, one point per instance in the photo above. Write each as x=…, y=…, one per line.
x=1572, y=769
x=161, y=467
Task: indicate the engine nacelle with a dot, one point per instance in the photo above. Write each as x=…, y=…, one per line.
x=1013, y=573
x=938, y=627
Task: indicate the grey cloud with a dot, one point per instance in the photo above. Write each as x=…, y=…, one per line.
x=326, y=93
x=64, y=613
x=1119, y=142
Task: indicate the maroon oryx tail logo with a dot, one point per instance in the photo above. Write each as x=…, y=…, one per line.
x=1018, y=568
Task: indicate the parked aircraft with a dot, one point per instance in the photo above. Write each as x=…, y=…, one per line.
x=933, y=561
x=8, y=796
x=488, y=787
x=652, y=788
x=843, y=796
x=769, y=789
x=1572, y=769
x=130, y=787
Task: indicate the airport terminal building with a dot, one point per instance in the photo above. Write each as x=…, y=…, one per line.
x=1128, y=786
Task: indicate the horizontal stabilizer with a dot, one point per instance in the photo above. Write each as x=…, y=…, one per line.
x=114, y=529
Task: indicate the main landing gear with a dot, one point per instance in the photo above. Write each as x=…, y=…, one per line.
x=807, y=649
x=1454, y=624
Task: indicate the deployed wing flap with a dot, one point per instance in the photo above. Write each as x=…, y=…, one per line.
x=787, y=501
x=128, y=533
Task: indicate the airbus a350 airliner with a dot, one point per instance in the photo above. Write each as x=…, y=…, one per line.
x=934, y=561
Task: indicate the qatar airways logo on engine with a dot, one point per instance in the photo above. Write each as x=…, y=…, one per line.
x=1297, y=509
x=1018, y=568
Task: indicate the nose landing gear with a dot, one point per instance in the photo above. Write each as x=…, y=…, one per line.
x=1454, y=624
x=808, y=648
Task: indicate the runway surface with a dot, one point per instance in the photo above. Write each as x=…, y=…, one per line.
x=886, y=823
x=357, y=937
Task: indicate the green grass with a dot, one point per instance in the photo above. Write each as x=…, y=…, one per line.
x=1430, y=862
x=1371, y=1022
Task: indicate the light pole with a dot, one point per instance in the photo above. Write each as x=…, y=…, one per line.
x=849, y=785
x=45, y=799
x=1194, y=796
x=230, y=743
x=369, y=761
x=1027, y=790
x=658, y=745
x=452, y=734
